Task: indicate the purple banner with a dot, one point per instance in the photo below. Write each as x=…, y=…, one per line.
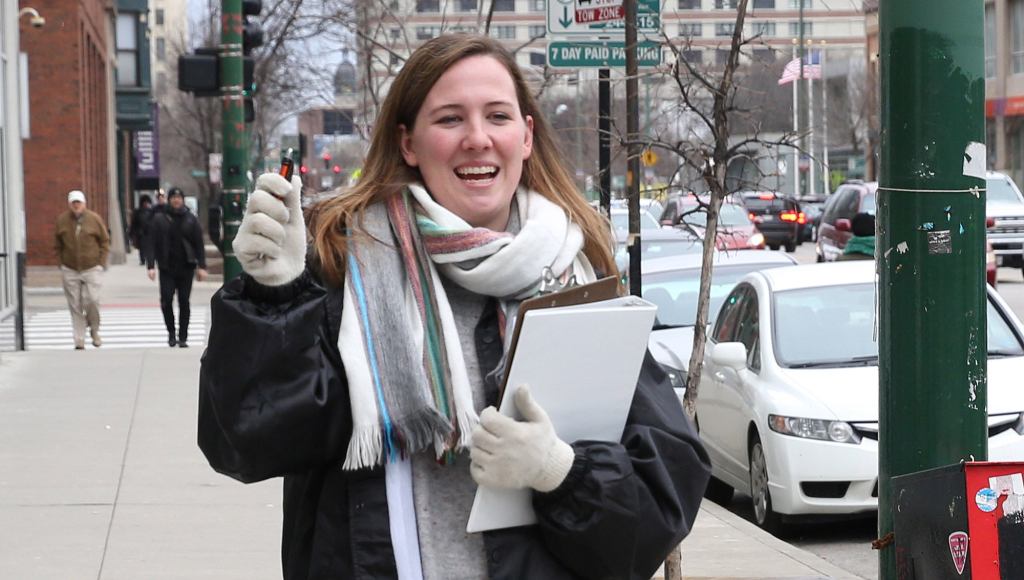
x=147, y=150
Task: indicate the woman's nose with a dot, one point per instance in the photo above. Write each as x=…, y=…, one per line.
x=476, y=136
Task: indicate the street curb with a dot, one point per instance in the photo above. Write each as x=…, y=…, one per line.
x=756, y=534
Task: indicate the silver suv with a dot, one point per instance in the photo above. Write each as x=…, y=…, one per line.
x=1004, y=208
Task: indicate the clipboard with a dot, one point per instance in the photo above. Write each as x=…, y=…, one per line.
x=604, y=289
x=584, y=381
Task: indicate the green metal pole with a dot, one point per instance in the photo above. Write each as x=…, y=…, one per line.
x=236, y=141
x=931, y=245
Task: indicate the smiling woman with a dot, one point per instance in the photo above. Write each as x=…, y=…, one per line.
x=368, y=377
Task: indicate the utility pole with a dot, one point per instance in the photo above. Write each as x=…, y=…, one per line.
x=931, y=244
x=802, y=114
x=633, y=149
x=235, y=139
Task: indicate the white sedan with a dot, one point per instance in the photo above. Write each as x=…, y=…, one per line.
x=788, y=402
x=671, y=283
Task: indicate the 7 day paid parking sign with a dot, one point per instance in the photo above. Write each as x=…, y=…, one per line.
x=604, y=54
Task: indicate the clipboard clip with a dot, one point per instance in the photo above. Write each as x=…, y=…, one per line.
x=549, y=283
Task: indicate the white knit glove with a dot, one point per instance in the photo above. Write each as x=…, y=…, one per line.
x=518, y=454
x=271, y=242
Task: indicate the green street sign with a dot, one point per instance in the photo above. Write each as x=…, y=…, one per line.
x=574, y=18
x=567, y=54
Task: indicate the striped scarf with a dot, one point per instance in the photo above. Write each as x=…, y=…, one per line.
x=407, y=378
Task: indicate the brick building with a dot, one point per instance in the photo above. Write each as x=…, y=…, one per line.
x=70, y=77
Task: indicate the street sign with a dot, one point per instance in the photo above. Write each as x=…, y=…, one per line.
x=582, y=19
x=649, y=158
x=600, y=54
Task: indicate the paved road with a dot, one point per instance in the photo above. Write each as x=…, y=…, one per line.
x=847, y=543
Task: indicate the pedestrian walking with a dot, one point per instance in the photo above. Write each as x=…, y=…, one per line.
x=139, y=228
x=176, y=247
x=83, y=244
x=367, y=376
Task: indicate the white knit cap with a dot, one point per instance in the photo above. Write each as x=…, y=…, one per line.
x=76, y=195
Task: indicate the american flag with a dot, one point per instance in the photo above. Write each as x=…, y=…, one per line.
x=812, y=69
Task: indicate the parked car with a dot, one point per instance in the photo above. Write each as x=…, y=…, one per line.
x=671, y=284
x=620, y=220
x=812, y=208
x=788, y=406
x=1004, y=208
x=776, y=216
x=735, y=229
x=849, y=199
x=655, y=244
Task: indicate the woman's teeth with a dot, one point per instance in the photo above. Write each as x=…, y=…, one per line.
x=482, y=173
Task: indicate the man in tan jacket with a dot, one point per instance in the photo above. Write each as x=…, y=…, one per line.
x=83, y=244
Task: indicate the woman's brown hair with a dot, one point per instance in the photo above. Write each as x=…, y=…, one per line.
x=385, y=172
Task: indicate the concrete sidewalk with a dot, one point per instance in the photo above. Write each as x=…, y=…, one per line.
x=101, y=478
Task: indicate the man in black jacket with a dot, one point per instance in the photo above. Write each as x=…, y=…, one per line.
x=176, y=245
x=139, y=228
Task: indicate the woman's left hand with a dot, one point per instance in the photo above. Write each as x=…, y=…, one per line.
x=518, y=454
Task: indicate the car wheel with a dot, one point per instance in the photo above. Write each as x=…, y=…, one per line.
x=760, y=495
x=719, y=492
x=791, y=246
x=773, y=247
x=820, y=259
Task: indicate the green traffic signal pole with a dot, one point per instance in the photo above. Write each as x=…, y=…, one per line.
x=235, y=140
x=931, y=244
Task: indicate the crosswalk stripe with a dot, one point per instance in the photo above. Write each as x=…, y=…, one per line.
x=141, y=327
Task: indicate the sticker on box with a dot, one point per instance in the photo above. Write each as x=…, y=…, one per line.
x=986, y=499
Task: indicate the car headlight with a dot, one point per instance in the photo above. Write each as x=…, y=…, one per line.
x=821, y=429
x=756, y=240
x=676, y=377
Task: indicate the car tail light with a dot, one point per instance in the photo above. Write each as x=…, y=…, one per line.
x=755, y=218
x=789, y=216
x=766, y=196
x=801, y=218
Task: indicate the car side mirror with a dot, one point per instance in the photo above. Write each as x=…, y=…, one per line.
x=731, y=355
x=843, y=225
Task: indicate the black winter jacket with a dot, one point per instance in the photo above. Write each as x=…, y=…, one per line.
x=187, y=252
x=274, y=402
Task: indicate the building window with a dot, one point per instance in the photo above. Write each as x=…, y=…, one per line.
x=692, y=56
x=127, y=49
x=724, y=28
x=722, y=56
x=427, y=32
x=159, y=16
x=795, y=4
x=990, y=41
x=161, y=49
x=396, y=33
x=467, y=5
x=1017, y=35
x=690, y=29
x=504, y=5
x=794, y=29
x=763, y=28
x=161, y=83
x=338, y=122
x=767, y=4
x=537, y=31
x=538, y=5
x=428, y=6
x=393, y=59
x=504, y=32
x=689, y=4
x=725, y=4
x=393, y=5
x=538, y=59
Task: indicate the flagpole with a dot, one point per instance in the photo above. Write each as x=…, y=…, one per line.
x=796, y=131
x=824, y=123
x=812, y=184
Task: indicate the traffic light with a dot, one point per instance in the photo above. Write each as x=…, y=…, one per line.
x=252, y=37
x=199, y=73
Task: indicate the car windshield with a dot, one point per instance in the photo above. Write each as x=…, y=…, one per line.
x=833, y=326
x=662, y=248
x=675, y=292
x=999, y=190
x=867, y=204
x=621, y=221
x=729, y=216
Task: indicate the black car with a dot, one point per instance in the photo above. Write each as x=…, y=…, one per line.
x=812, y=208
x=777, y=217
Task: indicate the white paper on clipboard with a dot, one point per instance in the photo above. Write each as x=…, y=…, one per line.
x=582, y=363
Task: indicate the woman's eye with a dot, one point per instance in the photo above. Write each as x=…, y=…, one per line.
x=501, y=116
x=448, y=120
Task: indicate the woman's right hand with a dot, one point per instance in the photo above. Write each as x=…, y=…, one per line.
x=271, y=242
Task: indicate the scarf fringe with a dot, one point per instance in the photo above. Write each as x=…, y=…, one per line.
x=365, y=448
x=419, y=431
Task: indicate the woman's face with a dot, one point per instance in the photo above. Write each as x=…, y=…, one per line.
x=469, y=141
